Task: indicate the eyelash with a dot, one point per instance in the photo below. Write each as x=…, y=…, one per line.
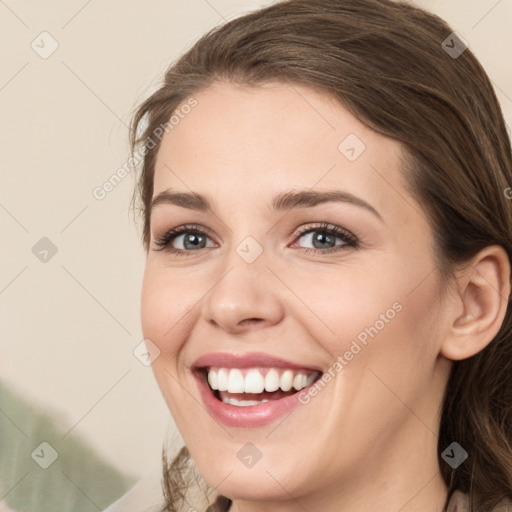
x=348, y=238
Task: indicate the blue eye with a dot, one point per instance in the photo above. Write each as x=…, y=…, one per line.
x=325, y=234
x=195, y=238
x=193, y=235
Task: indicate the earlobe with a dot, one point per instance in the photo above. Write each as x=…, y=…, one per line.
x=480, y=305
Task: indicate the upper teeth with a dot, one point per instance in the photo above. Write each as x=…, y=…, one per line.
x=234, y=381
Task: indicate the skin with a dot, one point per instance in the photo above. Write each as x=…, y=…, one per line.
x=369, y=438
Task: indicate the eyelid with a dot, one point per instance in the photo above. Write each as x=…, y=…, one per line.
x=338, y=231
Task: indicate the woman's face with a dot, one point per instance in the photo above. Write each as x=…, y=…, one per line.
x=263, y=276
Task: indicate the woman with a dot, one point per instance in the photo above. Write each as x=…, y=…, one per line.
x=325, y=191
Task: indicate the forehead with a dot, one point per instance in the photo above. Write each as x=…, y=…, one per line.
x=244, y=143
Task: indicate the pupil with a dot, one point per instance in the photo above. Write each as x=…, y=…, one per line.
x=321, y=237
x=191, y=238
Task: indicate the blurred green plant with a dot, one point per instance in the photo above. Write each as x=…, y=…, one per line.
x=78, y=480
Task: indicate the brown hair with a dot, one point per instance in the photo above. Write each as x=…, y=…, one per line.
x=384, y=61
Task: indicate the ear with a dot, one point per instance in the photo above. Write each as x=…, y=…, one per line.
x=478, y=308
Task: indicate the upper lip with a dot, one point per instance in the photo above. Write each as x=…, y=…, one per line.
x=248, y=360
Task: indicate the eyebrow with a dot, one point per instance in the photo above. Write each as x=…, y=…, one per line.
x=282, y=202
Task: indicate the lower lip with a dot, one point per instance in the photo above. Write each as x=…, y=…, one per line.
x=246, y=416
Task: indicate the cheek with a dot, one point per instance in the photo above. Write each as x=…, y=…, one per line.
x=399, y=338
x=167, y=301
x=344, y=305
x=378, y=319
x=384, y=351
x=164, y=321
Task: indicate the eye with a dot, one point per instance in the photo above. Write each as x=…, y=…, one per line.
x=323, y=237
x=194, y=237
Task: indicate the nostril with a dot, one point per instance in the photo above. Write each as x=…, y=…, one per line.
x=250, y=321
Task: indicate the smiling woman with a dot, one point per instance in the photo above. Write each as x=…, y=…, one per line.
x=330, y=221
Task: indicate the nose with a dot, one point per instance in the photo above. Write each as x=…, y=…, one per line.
x=243, y=298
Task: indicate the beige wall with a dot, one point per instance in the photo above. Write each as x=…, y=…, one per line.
x=69, y=325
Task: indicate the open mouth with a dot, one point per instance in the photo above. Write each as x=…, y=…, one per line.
x=243, y=387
